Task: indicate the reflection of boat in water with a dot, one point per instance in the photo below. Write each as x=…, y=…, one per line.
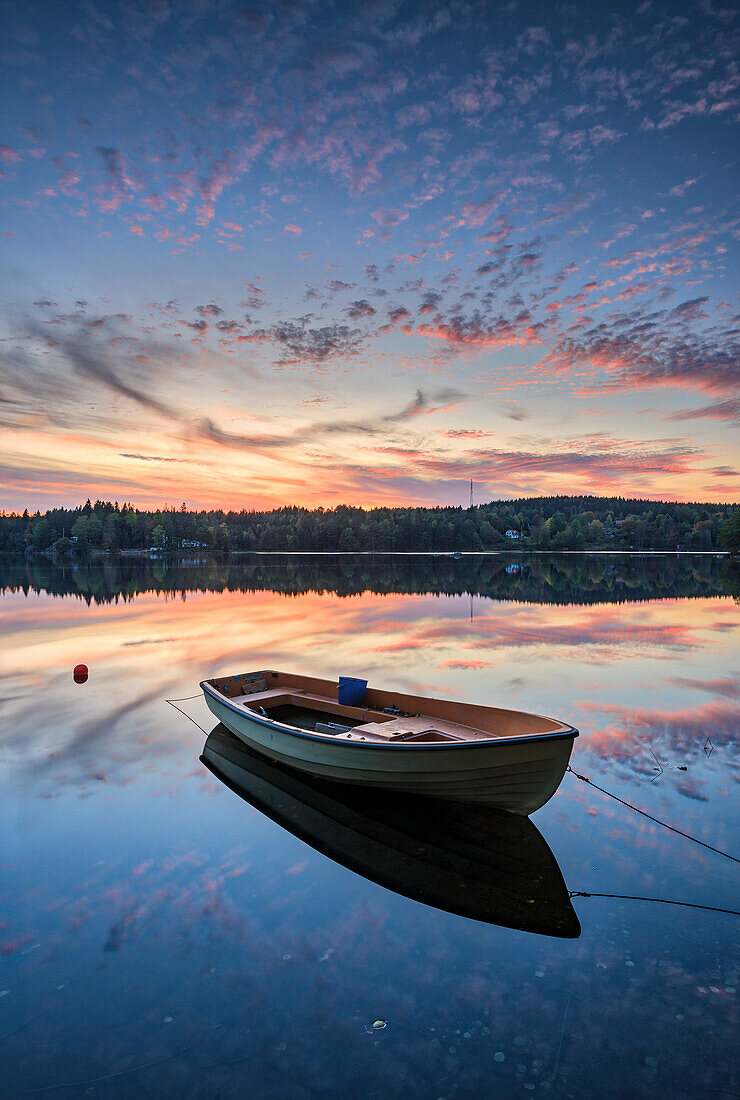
x=354, y=734
x=476, y=861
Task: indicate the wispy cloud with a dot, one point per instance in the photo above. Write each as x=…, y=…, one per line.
x=423, y=404
x=717, y=410
x=93, y=363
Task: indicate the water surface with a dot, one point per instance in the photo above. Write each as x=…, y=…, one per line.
x=160, y=935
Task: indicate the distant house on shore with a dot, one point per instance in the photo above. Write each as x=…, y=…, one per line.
x=511, y=534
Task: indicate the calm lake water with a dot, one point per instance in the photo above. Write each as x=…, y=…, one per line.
x=160, y=936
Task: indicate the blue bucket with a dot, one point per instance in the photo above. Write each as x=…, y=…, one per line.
x=351, y=691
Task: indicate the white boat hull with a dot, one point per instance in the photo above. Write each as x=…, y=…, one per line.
x=476, y=861
x=516, y=774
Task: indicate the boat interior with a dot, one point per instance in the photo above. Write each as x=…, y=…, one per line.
x=348, y=710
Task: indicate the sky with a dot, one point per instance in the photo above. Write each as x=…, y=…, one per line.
x=313, y=253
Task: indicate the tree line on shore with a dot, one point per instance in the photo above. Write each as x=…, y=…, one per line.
x=538, y=523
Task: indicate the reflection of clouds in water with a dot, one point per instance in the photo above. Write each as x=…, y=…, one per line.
x=197, y=904
x=692, y=788
x=97, y=728
x=525, y=627
x=728, y=686
x=313, y=984
x=630, y=732
x=108, y=727
x=101, y=747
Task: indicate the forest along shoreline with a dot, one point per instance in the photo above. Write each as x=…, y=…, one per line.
x=544, y=524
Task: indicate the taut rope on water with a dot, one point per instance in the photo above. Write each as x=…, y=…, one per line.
x=657, y=820
x=662, y=901
x=185, y=714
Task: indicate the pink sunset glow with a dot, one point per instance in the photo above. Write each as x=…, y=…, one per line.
x=238, y=280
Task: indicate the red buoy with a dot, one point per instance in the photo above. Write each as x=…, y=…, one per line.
x=80, y=674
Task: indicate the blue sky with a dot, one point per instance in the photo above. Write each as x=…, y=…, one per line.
x=342, y=253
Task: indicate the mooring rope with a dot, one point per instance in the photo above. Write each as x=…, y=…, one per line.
x=662, y=901
x=657, y=820
x=186, y=715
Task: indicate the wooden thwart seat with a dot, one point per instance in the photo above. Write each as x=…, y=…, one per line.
x=256, y=698
x=404, y=729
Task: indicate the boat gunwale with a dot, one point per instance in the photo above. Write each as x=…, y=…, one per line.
x=325, y=738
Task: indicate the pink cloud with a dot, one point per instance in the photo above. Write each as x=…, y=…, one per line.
x=476, y=214
x=390, y=217
x=68, y=181
x=223, y=172
x=680, y=189
x=472, y=664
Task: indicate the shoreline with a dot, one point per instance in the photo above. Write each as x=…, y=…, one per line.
x=453, y=555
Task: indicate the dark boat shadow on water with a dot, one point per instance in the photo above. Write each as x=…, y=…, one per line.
x=470, y=860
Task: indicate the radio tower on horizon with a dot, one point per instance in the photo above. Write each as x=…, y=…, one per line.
x=471, y=492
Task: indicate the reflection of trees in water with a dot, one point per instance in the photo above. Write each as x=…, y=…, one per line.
x=730, y=578
x=530, y=579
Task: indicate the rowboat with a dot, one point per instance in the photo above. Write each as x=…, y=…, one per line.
x=474, y=861
x=348, y=732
